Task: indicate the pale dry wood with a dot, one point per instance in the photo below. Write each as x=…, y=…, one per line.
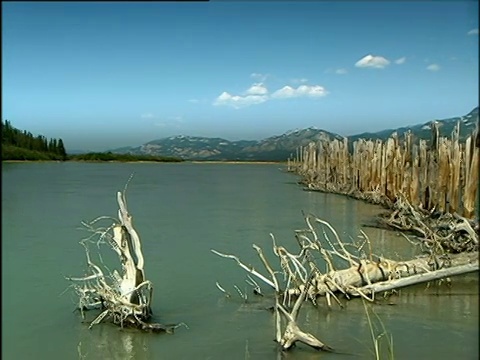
x=441, y=176
x=347, y=274
x=472, y=175
x=123, y=297
x=292, y=332
x=394, y=284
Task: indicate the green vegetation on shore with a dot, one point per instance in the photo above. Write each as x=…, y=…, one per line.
x=10, y=152
x=22, y=145
x=109, y=156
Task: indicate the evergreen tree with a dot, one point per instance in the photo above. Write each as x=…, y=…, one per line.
x=45, y=144
x=23, y=145
x=61, y=150
x=52, y=146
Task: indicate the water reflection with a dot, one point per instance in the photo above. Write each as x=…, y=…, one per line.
x=110, y=342
x=417, y=317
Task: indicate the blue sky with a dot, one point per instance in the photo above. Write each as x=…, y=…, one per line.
x=104, y=75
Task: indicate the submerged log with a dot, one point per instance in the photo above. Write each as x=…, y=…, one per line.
x=125, y=298
x=365, y=274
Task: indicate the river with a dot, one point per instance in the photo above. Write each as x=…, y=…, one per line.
x=181, y=211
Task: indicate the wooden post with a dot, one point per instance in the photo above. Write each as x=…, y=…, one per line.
x=442, y=176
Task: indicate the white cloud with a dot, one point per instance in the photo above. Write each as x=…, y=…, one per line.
x=433, y=67
x=341, y=71
x=285, y=92
x=377, y=62
x=255, y=94
x=147, y=116
x=401, y=61
x=237, y=101
x=299, y=81
x=302, y=90
x=473, y=32
x=257, y=89
x=258, y=93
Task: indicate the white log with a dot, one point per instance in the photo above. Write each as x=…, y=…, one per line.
x=362, y=278
x=420, y=278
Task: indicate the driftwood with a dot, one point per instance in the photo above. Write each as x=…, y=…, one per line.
x=442, y=174
x=431, y=189
x=448, y=232
x=292, y=332
x=125, y=297
x=324, y=267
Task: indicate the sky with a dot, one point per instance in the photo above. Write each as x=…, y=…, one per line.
x=102, y=75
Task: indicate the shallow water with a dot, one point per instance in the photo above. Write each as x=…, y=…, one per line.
x=181, y=211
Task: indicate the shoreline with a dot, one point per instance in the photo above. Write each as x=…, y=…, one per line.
x=234, y=162
x=31, y=161
x=147, y=161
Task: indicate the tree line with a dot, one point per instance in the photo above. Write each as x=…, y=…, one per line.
x=109, y=156
x=23, y=145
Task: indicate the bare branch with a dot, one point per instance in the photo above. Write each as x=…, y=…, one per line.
x=250, y=269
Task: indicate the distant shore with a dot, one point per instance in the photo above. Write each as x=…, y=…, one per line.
x=80, y=161
x=233, y=162
x=31, y=161
x=152, y=161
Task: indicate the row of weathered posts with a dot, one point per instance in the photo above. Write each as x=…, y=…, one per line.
x=442, y=174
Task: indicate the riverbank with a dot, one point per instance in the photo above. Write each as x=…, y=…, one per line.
x=31, y=161
x=449, y=231
x=151, y=161
x=235, y=162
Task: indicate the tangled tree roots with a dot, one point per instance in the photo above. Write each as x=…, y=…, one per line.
x=348, y=273
x=125, y=297
x=449, y=233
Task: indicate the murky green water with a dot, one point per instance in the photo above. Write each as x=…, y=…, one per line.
x=181, y=211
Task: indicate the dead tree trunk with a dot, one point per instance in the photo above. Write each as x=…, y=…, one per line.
x=363, y=267
x=365, y=274
x=123, y=297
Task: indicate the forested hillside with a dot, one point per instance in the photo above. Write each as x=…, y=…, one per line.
x=23, y=145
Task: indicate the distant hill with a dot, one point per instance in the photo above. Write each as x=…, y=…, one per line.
x=77, y=151
x=275, y=148
x=423, y=131
x=280, y=147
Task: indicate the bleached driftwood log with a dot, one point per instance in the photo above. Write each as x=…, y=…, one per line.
x=346, y=273
x=292, y=332
x=362, y=269
x=123, y=297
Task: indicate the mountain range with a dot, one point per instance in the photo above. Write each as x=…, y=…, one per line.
x=280, y=147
